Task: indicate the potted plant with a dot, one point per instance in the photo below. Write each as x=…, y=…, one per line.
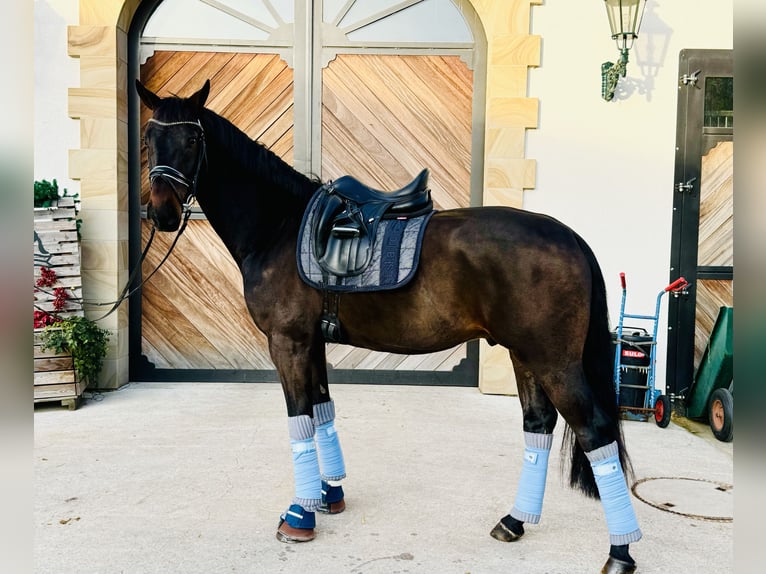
x=75, y=335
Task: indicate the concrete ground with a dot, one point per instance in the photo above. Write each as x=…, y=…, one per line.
x=191, y=478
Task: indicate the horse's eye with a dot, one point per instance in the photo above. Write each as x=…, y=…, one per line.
x=192, y=141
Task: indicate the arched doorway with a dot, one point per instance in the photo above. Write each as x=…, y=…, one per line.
x=377, y=90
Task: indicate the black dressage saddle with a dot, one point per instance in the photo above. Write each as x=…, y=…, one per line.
x=347, y=215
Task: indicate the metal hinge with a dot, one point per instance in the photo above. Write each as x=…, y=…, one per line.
x=688, y=186
x=692, y=78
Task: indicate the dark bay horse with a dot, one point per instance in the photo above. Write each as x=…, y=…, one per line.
x=518, y=279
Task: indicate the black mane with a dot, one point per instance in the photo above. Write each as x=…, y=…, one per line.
x=259, y=162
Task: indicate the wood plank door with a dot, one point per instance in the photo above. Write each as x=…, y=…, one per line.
x=715, y=244
x=194, y=322
x=384, y=118
x=377, y=111
x=703, y=223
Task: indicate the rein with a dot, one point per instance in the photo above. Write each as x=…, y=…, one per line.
x=127, y=292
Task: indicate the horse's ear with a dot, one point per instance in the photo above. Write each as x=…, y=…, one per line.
x=149, y=98
x=200, y=97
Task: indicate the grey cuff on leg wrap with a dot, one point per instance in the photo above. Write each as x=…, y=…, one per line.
x=603, y=452
x=324, y=412
x=309, y=504
x=524, y=516
x=300, y=427
x=537, y=440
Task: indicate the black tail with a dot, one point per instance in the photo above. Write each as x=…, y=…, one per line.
x=598, y=367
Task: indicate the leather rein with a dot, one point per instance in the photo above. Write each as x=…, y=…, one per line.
x=174, y=177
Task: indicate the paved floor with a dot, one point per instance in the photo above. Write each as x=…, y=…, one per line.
x=191, y=478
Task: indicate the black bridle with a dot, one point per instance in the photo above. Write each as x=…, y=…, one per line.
x=173, y=177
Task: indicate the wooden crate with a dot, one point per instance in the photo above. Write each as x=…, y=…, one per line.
x=57, y=247
x=55, y=377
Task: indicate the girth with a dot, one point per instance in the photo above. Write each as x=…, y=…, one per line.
x=347, y=217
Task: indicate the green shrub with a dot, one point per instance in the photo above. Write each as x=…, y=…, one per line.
x=46, y=193
x=84, y=339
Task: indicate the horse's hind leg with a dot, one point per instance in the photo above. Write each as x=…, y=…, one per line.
x=596, y=430
x=543, y=391
x=331, y=461
x=539, y=421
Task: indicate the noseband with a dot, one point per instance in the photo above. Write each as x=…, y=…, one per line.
x=173, y=176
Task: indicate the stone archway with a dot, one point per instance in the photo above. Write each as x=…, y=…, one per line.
x=100, y=41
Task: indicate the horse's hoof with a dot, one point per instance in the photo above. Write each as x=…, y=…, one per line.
x=332, y=499
x=502, y=533
x=291, y=535
x=332, y=507
x=616, y=566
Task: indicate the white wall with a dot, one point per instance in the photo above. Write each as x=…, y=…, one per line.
x=606, y=168
x=55, y=72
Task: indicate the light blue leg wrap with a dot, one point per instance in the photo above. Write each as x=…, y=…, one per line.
x=615, y=498
x=528, y=505
x=308, y=483
x=330, y=453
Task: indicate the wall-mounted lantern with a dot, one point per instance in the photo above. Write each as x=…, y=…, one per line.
x=624, y=19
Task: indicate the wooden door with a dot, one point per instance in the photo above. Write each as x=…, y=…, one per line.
x=378, y=112
x=194, y=323
x=715, y=244
x=384, y=118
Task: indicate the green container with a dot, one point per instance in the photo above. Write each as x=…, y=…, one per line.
x=716, y=369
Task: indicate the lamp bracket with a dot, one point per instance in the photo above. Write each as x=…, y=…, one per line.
x=610, y=75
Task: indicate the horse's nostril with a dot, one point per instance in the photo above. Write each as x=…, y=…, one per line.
x=163, y=219
x=171, y=224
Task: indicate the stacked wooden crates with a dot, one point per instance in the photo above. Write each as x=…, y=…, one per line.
x=56, y=247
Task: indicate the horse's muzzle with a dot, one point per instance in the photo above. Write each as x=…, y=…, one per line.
x=165, y=218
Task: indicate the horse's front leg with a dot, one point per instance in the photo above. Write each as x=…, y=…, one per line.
x=316, y=451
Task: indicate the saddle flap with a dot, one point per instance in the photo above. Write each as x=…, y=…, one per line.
x=327, y=210
x=347, y=256
x=348, y=239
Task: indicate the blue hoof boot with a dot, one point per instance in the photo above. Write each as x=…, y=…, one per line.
x=332, y=499
x=296, y=525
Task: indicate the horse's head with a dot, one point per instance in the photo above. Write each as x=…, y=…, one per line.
x=175, y=143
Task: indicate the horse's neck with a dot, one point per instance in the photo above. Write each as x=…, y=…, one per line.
x=251, y=214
